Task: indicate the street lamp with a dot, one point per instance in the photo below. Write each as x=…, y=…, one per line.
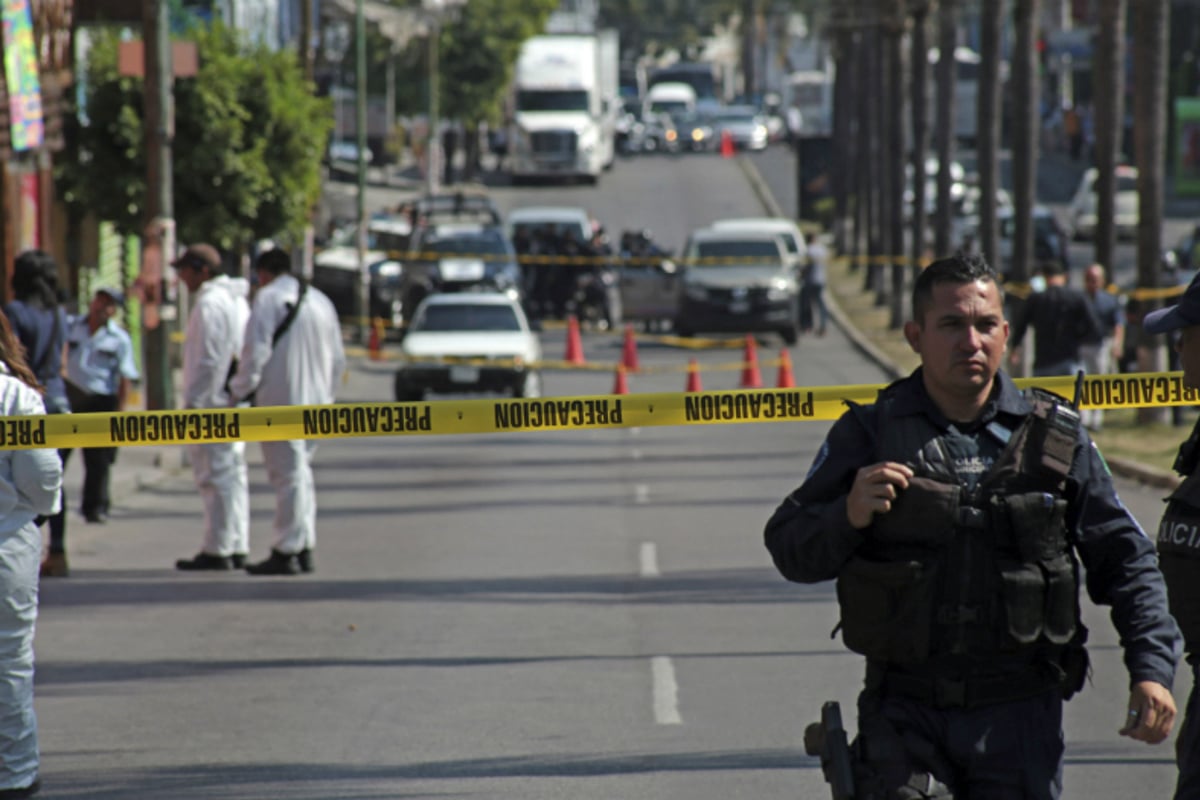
x=436, y=10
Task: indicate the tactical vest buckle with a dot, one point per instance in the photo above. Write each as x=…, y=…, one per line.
x=958, y=615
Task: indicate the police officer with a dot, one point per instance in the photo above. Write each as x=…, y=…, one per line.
x=1178, y=543
x=100, y=369
x=954, y=513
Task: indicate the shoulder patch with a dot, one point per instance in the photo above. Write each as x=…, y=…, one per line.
x=822, y=455
x=1100, y=456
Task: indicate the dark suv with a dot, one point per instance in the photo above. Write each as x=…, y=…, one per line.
x=456, y=256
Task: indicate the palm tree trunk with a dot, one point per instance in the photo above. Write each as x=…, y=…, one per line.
x=1110, y=113
x=895, y=157
x=1024, y=137
x=843, y=93
x=919, y=60
x=1150, y=134
x=944, y=122
x=988, y=127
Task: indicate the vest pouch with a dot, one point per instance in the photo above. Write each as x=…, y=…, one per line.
x=924, y=514
x=1037, y=525
x=1179, y=558
x=1061, y=596
x=887, y=608
x=1023, y=588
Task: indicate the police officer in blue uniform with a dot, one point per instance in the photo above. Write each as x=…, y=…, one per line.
x=1179, y=532
x=100, y=369
x=955, y=513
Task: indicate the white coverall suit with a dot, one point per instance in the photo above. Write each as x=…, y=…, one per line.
x=304, y=368
x=215, y=332
x=30, y=483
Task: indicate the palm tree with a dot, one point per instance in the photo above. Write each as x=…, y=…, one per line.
x=944, y=121
x=988, y=127
x=893, y=21
x=1110, y=113
x=1150, y=134
x=919, y=60
x=1024, y=136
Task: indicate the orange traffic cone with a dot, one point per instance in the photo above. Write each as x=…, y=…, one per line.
x=620, y=381
x=629, y=356
x=785, y=380
x=751, y=378
x=574, y=353
x=693, y=380
x=726, y=144
x=375, y=340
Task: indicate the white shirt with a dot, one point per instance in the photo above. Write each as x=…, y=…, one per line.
x=215, y=332
x=30, y=480
x=307, y=364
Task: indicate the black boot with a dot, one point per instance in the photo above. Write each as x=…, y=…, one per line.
x=276, y=564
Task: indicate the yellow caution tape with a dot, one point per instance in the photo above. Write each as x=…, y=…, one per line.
x=453, y=416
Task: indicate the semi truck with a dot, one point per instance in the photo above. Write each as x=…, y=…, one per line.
x=565, y=106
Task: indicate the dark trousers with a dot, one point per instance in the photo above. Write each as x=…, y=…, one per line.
x=1187, y=744
x=1005, y=751
x=97, y=461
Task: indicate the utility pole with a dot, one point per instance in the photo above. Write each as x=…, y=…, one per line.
x=434, y=149
x=158, y=243
x=360, y=104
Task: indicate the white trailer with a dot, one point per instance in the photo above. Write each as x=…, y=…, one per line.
x=565, y=106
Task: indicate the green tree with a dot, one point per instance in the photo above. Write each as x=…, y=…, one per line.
x=249, y=136
x=478, y=53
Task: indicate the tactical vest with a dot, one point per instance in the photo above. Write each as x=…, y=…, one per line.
x=983, y=574
x=1179, y=544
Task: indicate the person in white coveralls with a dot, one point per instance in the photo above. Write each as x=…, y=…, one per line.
x=292, y=355
x=215, y=330
x=30, y=485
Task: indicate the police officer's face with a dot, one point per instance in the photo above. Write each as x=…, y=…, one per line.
x=961, y=341
x=1188, y=346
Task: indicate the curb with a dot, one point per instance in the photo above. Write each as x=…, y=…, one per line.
x=1123, y=467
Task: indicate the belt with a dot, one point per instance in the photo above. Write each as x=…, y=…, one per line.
x=970, y=691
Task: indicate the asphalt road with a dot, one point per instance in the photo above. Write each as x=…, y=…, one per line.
x=581, y=614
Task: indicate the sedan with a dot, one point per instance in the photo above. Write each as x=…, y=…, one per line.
x=746, y=126
x=469, y=342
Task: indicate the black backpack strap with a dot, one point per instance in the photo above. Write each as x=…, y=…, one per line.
x=293, y=310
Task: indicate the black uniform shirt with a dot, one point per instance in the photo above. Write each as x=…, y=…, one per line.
x=810, y=537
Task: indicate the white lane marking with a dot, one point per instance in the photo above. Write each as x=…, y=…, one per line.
x=648, y=561
x=641, y=494
x=666, y=691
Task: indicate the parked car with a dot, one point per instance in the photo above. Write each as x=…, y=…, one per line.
x=1083, y=204
x=335, y=268
x=469, y=342
x=454, y=256
x=738, y=282
x=696, y=132
x=746, y=126
x=1050, y=239
x=659, y=134
x=787, y=230
x=958, y=188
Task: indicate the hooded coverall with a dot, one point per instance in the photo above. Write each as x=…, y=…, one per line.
x=30, y=482
x=215, y=331
x=304, y=368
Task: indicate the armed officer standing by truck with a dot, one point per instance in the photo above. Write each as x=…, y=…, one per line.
x=954, y=514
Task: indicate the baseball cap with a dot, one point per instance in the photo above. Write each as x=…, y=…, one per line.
x=1183, y=314
x=199, y=256
x=116, y=294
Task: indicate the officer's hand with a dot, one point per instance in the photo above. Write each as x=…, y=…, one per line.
x=1151, y=713
x=874, y=489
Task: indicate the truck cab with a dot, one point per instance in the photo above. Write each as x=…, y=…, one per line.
x=565, y=107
